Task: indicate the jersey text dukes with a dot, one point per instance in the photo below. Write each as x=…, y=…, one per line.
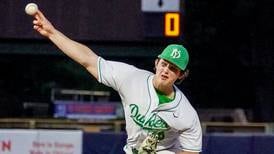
x=152, y=122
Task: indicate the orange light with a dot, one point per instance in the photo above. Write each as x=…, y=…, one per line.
x=172, y=24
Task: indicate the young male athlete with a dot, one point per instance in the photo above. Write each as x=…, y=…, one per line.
x=159, y=118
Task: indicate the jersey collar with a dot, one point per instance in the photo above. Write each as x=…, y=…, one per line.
x=169, y=107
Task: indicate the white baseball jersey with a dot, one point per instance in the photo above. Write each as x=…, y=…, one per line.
x=177, y=121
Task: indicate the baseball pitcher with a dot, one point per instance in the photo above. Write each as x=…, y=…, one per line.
x=159, y=118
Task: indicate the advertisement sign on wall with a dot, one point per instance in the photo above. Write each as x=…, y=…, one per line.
x=84, y=110
x=18, y=141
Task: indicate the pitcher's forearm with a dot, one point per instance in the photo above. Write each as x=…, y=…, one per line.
x=76, y=51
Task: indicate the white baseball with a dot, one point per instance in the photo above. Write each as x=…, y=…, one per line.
x=31, y=8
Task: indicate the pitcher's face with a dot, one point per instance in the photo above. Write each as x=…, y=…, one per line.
x=166, y=73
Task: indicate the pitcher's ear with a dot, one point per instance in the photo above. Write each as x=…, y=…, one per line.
x=156, y=61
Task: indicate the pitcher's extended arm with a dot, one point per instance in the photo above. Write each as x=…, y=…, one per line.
x=77, y=51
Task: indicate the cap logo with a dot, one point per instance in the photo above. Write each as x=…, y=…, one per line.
x=175, y=53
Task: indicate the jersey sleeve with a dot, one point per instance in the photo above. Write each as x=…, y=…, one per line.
x=191, y=138
x=113, y=74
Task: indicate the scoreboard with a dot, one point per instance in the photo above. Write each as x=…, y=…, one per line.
x=172, y=24
x=99, y=20
x=162, y=25
x=162, y=18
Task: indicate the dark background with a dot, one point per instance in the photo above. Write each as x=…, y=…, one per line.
x=230, y=45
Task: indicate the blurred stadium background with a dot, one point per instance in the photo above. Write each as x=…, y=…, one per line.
x=231, y=67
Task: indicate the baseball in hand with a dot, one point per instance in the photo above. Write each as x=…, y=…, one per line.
x=31, y=8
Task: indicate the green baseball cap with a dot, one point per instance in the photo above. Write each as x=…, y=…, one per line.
x=175, y=54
